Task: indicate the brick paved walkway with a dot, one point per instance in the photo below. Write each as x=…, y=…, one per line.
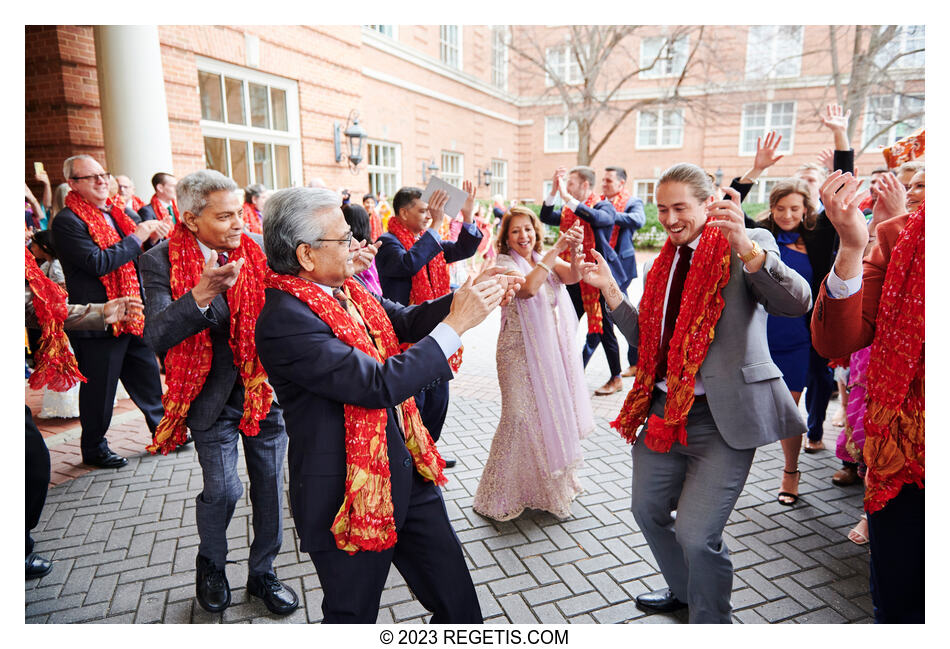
x=124, y=542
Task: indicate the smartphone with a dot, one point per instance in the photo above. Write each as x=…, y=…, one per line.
x=38, y=168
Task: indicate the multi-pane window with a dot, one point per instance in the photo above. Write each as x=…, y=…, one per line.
x=499, y=178
x=450, y=45
x=909, y=42
x=383, y=165
x=452, y=171
x=668, y=59
x=759, y=119
x=559, y=135
x=661, y=128
x=560, y=61
x=499, y=56
x=250, y=124
x=385, y=30
x=546, y=190
x=774, y=51
x=645, y=190
x=760, y=191
x=890, y=117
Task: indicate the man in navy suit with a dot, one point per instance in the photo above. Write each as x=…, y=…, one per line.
x=164, y=185
x=102, y=357
x=397, y=265
x=315, y=374
x=576, y=188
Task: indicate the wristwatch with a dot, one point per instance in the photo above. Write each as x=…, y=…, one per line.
x=752, y=254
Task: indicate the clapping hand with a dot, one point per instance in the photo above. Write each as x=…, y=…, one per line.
x=123, y=309
x=364, y=255
x=472, y=303
x=215, y=279
x=570, y=238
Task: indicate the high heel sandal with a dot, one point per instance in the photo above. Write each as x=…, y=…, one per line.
x=791, y=498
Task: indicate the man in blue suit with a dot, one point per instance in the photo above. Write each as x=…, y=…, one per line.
x=576, y=190
x=315, y=374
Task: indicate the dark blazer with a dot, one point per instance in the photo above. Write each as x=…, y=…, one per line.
x=314, y=373
x=84, y=263
x=396, y=265
x=168, y=322
x=630, y=220
x=146, y=213
x=601, y=218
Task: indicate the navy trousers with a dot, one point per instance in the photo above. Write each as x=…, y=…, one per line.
x=37, y=476
x=819, y=384
x=608, y=337
x=427, y=554
x=433, y=405
x=897, y=558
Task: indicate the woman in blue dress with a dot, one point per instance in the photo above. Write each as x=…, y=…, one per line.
x=791, y=219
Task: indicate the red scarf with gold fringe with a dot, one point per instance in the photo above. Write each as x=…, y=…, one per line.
x=365, y=518
x=894, y=419
x=589, y=295
x=252, y=219
x=619, y=201
x=701, y=306
x=124, y=280
x=55, y=365
x=187, y=364
x=161, y=212
x=430, y=282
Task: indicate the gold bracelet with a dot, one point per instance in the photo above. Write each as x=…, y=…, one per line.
x=544, y=266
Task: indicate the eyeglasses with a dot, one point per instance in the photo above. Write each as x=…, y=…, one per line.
x=104, y=177
x=347, y=240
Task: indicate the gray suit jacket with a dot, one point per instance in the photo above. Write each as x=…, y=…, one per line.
x=748, y=399
x=168, y=322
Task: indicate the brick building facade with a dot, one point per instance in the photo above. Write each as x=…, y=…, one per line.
x=261, y=102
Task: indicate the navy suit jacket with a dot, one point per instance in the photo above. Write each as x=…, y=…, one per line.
x=168, y=322
x=84, y=263
x=146, y=213
x=601, y=218
x=396, y=265
x=630, y=220
x=314, y=373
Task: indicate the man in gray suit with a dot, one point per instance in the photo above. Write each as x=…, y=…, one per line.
x=738, y=401
x=212, y=222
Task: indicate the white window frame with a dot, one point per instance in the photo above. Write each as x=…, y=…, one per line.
x=787, y=145
x=760, y=191
x=900, y=44
x=254, y=134
x=446, y=47
x=392, y=31
x=567, y=67
x=564, y=132
x=395, y=171
x=499, y=181
x=670, y=65
x=777, y=55
x=645, y=195
x=499, y=60
x=452, y=177
x=546, y=190
x=661, y=114
x=891, y=135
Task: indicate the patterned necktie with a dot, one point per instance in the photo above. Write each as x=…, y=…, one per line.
x=673, y=308
x=347, y=305
x=222, y=258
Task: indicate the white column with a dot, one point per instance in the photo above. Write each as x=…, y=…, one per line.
x=132, y=99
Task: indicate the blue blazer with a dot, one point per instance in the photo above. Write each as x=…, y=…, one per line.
x=396, y=265
x=601, y=218
x=630, y=220
x=84, y=263
x=314, y=373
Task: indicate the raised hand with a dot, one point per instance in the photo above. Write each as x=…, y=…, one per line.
x=436, y=208
x=765, y=151
x=123, y=308
x=835, y=118
x=215, y=280
x=558, y=173
x=728, y=217
x=827, y=159
x=469, y=203
x=840, y=196
x=891, y=198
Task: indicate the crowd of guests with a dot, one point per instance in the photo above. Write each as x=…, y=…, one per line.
x=324, y=330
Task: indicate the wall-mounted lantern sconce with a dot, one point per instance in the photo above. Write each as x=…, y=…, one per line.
x=431, y=168
x=719, y=177
x=484, y=177
x=355, y=135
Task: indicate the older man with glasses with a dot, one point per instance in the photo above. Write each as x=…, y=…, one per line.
x=98, y=247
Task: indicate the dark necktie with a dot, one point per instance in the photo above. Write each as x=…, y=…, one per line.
x=673, y=308
x=222, y=258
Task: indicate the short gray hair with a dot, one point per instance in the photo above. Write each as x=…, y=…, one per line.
x=193, y=190
x=289, y=221
x=68, y=163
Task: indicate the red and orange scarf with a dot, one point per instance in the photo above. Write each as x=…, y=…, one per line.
x=252, y=219
x=701, y=306
x=124, y=280
x=161, y=212
x=431, y=282
x=55, y=365
x=894, y=420
x=589, y=295
x=619, y=201
x=188, y=363
x=365, y=519
x=119, y=202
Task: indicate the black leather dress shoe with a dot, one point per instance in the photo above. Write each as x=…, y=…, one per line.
x=211, y=586
x=279, y=598
x=449, y=464
x=659, y=601
x=37, y=566
x=107, y=459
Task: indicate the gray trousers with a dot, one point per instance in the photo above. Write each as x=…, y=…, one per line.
x=702, y=482
x=264, y=456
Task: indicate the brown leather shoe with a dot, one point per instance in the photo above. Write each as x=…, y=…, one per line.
x=630, y=371
x=814, y=447
x=846, y=476
x=611, y=386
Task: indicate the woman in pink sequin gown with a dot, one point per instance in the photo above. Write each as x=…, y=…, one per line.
x=545, y=405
